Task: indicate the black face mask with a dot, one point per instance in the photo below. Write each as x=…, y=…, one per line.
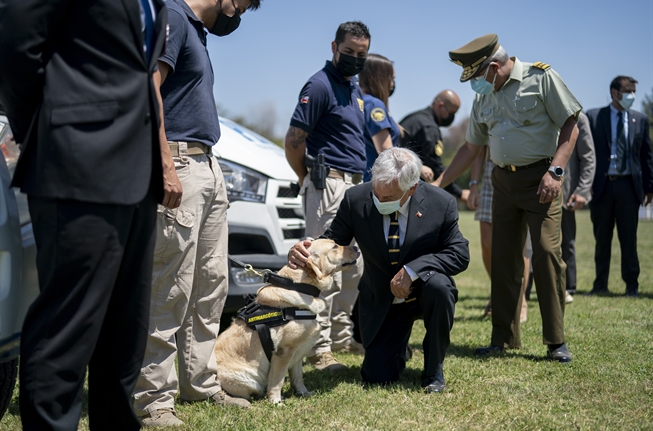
x=349, y=65
x=224, y=24
x=445, y=122
x=392, y=89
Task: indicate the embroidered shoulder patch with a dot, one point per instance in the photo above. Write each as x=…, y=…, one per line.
x=542, y=66
x=377, y=115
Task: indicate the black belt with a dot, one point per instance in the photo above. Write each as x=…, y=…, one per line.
x=513, y=168
x=616, y=177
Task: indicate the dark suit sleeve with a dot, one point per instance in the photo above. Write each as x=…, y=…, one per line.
x=341, y=230
x=646, y=158
x=452, y=251
x=586, y=158
x=26, y=26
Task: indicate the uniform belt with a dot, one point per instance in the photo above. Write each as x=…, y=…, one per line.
x=342, y=175
x=513, y=168
x=194, y=148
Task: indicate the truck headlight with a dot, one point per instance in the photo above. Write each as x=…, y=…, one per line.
x=243, y=184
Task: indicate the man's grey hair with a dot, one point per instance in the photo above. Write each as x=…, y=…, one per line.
x=500, y=56
x=397, y=164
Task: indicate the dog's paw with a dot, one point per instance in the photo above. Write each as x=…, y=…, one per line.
x=304, y=394
x=318, y=305
x=277, y=401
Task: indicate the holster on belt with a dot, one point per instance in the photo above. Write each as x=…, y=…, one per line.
x=318, y=170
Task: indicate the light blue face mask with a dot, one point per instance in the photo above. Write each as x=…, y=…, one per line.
x=481, y=86
x=627, y=100
x=386, y=208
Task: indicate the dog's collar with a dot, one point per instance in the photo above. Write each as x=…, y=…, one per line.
x=287, y=283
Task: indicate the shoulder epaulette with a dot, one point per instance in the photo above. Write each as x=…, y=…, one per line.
x=542, y=66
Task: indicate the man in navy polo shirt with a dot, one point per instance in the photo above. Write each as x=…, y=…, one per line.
x=189, y=281
x=329, y=120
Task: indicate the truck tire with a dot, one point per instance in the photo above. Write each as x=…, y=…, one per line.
x=8, y=373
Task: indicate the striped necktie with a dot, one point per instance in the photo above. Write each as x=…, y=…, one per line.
x=393, y=238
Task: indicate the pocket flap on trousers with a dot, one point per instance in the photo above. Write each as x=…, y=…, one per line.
x=86, y=113
x=185, y=218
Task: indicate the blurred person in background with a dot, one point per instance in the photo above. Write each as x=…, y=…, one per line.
x=576, y=193
x=422, y=134
x=377, y=80
x=622, y=182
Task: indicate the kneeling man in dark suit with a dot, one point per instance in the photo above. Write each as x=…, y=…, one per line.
x=408, y=234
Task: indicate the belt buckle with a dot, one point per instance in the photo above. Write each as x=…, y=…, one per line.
x=511, y=168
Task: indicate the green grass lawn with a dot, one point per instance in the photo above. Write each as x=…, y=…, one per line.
x=609, y=384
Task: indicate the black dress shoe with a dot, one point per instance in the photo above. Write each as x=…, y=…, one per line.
x=597, y=292
x=435, y=387
x=632, y=294
x=559, y=353
x=434, y=384
x=482, y=351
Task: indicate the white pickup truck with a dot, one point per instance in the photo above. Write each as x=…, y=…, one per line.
x=265, y=219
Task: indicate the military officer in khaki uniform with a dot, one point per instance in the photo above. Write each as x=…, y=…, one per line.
x=527, y=116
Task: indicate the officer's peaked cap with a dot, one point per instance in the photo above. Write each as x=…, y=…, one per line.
x=472, y=55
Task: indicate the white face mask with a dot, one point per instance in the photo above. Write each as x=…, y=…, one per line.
x=627, y=100
x=386, y=208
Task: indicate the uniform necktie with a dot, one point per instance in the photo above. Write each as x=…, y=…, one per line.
x=393, y=238
x=149, y=27
x=622, y=144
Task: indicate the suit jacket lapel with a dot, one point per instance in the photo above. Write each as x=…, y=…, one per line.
x=375, y=220
x=414, y=221
x=134, y=16
x=632, y=123
x=606, y=121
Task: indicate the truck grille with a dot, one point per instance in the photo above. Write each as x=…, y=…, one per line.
x=294, y=233
x=249, y=244
x=285, y=192
x=289, y=213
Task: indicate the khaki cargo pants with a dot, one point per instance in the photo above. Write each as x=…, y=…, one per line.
x=320, y=208
x=189, y=288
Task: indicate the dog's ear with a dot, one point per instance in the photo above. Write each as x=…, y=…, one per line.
x=313, y=268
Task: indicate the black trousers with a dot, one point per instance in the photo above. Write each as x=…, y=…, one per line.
x=618, y=204
x=568, y=226
x=385, y=357
x=94, y=263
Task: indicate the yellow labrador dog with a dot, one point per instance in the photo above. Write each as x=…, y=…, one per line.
x=243, y=368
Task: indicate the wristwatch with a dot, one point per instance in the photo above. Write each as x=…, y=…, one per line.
x=557, y=171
